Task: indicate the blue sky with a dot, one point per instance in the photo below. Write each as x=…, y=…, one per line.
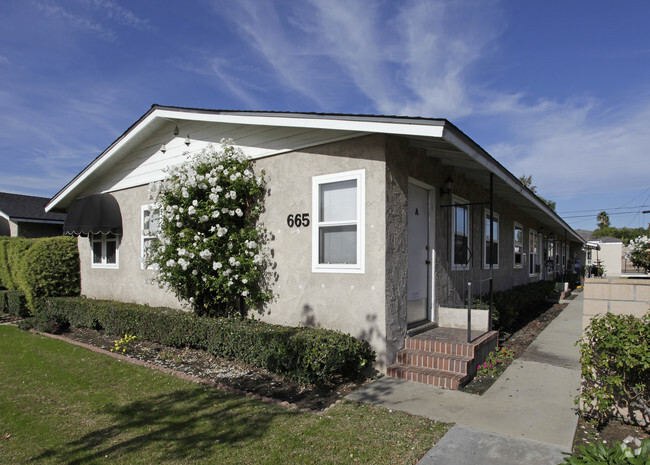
x=556, y=89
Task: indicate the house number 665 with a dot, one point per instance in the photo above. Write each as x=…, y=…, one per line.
x=298, y=220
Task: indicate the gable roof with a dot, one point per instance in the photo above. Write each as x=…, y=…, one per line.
x=17, y=207
x=438, y=138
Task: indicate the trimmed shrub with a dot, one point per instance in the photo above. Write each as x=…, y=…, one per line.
x=12, y=250
x=520, y=304
x=5, y=277
x=50, y=267
x=307, y=355
x=45, y=323
x=13, y=303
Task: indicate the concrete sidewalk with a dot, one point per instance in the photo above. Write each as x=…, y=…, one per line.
x=529, y=410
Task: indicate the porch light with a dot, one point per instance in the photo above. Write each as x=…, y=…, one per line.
x=176, y=130
x=187, y=140
x=448, y=186
x=163, y=148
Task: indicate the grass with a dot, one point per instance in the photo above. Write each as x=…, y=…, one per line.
x=64, y=404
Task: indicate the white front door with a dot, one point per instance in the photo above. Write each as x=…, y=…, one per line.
x=419, y=257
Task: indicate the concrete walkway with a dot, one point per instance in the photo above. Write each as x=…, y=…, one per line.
x=527, y=416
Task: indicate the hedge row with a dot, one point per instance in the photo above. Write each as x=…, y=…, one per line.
x=307, y=355
x=40, y=267
x=521, y=304
x=13, y=303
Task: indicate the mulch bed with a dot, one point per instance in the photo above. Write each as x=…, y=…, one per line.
x=229, y=374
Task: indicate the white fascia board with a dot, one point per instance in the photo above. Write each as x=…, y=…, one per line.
x=460, y=142
x=337, y=123
x=4, y=215
x=31, y=220
x=341, y=124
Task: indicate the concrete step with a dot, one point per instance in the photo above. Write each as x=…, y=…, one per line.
x=440, y=378
x=423, y=359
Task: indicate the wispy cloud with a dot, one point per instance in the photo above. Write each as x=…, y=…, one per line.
x=83, y=19
x=424, y=59
x=77, y=21
x=119, y=14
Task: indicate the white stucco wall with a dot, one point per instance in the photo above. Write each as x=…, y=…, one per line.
x=350, y=302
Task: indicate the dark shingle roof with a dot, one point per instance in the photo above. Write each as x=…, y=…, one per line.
x=27, y=207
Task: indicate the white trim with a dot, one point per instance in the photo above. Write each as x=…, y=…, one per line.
x=515, y=243
x=350, y=124
x=486, y=237
x=103, y=239
x=457, y=267
x=427, y=128
x=317, y=181
x=30, y=220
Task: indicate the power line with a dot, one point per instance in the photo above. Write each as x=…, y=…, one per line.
x=610, y=214
x=605, y=209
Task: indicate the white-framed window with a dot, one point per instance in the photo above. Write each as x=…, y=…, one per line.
x=149, y=228
x=460, y=250
x=518, y=242
x=533, y=253
x=338, y=235
x=494, y=259
x=105, y=250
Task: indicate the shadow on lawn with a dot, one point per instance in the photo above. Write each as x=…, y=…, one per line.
x=190, y=423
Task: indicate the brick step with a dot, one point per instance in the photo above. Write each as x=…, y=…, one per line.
x=464, y=349
x=440, y=378
x=422, y=359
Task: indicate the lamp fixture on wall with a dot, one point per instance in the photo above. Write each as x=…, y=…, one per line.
x=448, y=186
x=163, y=148
x=176, y=130
x=187, y=140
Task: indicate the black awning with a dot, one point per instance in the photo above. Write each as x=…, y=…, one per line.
x=96, y=214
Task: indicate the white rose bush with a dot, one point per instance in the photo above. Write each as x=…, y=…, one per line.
x=209, y=248
x=638, y=252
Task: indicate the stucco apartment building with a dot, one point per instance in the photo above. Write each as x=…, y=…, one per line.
x=413, y=200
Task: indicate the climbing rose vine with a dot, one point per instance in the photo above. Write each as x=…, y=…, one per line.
x=209, y=250
x=638, y=252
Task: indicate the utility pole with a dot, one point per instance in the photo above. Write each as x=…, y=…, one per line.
x=644, y=212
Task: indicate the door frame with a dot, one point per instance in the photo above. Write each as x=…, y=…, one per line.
x=432, y=313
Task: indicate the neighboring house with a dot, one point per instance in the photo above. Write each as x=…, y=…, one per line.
x=25, y=216
x=413, y=200
x=606, y=250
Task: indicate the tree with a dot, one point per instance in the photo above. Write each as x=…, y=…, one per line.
x=527, y=181
x=603, y=220
x=625, y=234
x=210, y=246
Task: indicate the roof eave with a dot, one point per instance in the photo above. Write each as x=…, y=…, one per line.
x=456, y=137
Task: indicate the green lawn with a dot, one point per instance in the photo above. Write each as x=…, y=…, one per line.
x=64, y=404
